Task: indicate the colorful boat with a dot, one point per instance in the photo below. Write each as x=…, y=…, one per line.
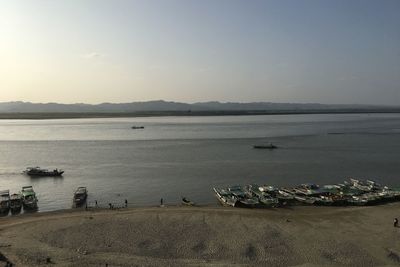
x=29, y=199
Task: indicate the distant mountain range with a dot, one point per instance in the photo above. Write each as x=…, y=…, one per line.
x=166, y=106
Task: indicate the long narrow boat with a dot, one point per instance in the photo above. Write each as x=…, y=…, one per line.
x=225, y=197
x=4, y=201
x=265, y=146
x=29, y=199
x=39, y=172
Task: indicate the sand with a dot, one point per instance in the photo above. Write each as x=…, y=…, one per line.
x=204, y=236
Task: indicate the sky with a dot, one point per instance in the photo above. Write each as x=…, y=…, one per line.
x=94, y=51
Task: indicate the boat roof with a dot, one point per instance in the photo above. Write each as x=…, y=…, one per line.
x=27, y=188
x=33, y=168
x=4, y=192
x=16, y=196
x=80, y=189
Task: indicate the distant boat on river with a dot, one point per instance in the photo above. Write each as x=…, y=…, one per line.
x=267, y=146
x=37, y=171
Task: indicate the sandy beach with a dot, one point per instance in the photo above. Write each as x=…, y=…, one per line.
x=204, y=236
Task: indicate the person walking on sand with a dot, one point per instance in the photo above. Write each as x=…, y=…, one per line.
x=126, y=203
x=396, y=222
x=161, y=202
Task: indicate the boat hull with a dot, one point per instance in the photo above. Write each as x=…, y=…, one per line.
x=49, y=174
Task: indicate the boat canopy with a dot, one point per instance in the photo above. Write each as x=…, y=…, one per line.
x=80, y=190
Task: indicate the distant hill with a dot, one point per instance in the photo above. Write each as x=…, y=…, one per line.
x=165, y=106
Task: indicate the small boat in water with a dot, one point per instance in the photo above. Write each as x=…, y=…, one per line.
x=80, y=195
x=187, y=202
x=15, y=203
x=267, y=146
x=137, y=127
x=4, y=201
x=29, y=199
x=37, y=171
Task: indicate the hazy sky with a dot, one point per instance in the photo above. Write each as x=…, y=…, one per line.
x=120, y=51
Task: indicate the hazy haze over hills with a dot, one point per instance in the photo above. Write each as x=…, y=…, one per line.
x=160, y=105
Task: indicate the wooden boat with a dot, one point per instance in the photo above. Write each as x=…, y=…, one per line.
x=268, y=146
x=29, y=199
x=248, y=202
x=4, y=201
x=80, y=195
x=225, y=197
x=37, y=171
x=187, y=202
x=266, y=200
x=15, y=203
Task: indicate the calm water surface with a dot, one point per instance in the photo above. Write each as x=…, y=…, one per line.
x=176, y=156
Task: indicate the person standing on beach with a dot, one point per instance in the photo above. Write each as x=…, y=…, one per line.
x=126, y=203
x=161, y=202
x=396, y=222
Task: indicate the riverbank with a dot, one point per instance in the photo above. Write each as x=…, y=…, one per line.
x=204, y=236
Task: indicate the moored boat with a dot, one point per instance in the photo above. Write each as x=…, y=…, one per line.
x=4, y=201
x=264, y=196
x=29, y=199
x=187, y=202
x=37, y=171
x=80, y=195
x=244, y=198
x=249, y=202
x=15, y=203
x=225, y=198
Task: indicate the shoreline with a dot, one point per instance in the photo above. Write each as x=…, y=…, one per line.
x=204, y=236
